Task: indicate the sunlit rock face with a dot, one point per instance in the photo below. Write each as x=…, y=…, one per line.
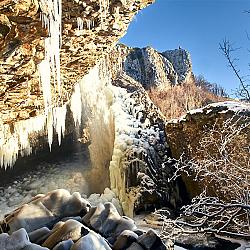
x=192, y=125
x=152, y=68
x=45, y=48
x=181, y=61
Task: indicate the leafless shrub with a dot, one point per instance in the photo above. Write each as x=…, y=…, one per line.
x=222, y=164
x=209, y=215
x=221, y=161
x=176, y=100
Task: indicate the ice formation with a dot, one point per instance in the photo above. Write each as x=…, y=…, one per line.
x=49, y=68
x=76, y=104
x=80, y=23
x=16, y=139
x=51, y=19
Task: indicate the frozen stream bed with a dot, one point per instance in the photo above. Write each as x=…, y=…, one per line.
x=68, y=171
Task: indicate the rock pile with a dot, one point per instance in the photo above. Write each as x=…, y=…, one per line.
x=61, y=221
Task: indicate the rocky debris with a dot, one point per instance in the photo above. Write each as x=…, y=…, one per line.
x=64, y=245
x=100, y=228
x=107, y=196
x=125, y=239
x=71, y=229
x=150, y=241
x=106, y=220
x=17, y=240
x=39, y=235
x=91, y=241
x=44, y=210
x=151, y=68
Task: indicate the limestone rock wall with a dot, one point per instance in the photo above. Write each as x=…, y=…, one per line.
x=89, y=28
x=181, y=60
x=152, y=68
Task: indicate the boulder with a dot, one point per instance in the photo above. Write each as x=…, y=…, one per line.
x=39, y=236
x=106, y=220
x=64, y=245
x=71, y=229
x=91, y=241
x=34, y=247
x=151, y=241
x=16, y=241
x=125, y=239
x=45, y=210
x=135, y=246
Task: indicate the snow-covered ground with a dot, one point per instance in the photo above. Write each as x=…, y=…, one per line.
x=67, y=172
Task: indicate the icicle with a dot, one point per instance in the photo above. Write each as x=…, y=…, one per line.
x=88, y=23
x=76, y=104
x=80, y=23
x=16, y=140
x=44, y=71
x=50, y=128
x=49, y=68
x=51, y=19
x=59, y=115
x=56, y=120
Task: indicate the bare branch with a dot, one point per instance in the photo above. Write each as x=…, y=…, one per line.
x=227, y=50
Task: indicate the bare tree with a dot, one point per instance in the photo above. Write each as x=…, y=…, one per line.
x=222, y=159
x=244, y=89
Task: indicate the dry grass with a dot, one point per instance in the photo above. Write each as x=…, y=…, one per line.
x=176, y=100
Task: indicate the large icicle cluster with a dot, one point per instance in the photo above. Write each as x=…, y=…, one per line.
x=15, y=140
x=49, y=68
x=51, y=19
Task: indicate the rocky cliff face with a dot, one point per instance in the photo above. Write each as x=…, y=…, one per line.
x=45, y=48
x=88, y=29
x=152, y=68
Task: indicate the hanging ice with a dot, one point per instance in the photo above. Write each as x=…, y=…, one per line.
x=51, y=18
x=16, y=140
x=76, y=104
x=80, y=23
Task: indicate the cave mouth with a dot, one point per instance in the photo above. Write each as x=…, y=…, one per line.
x=66, y=166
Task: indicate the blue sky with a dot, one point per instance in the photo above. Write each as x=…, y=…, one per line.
x=198, y=26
